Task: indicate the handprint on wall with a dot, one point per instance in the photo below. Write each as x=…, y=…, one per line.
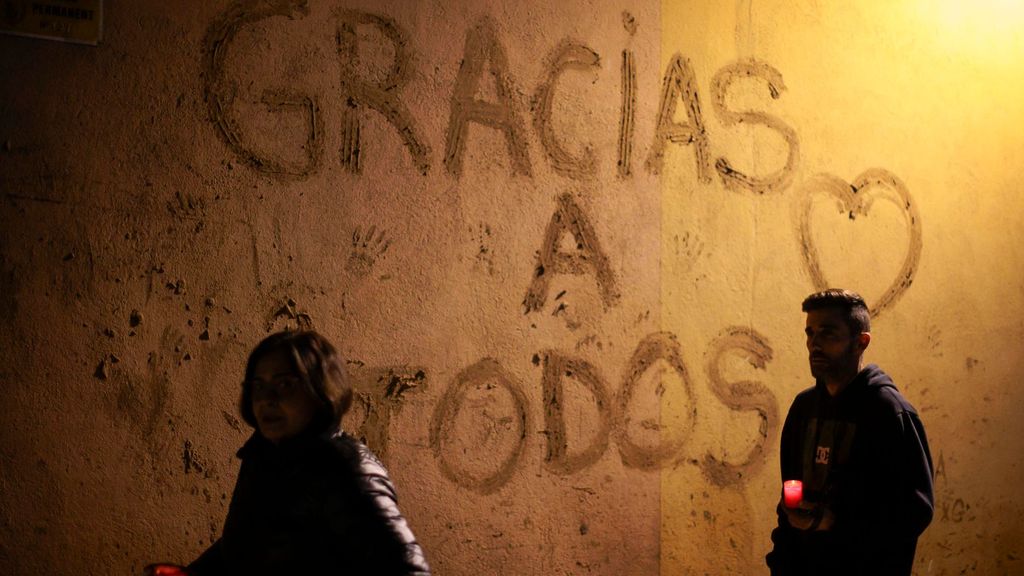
x=366, y=249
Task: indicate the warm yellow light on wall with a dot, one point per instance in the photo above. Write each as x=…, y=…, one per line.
x=978, y=29
x=957, y=12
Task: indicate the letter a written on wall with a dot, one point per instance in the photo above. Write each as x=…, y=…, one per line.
x=680, y=84
x=484, y=49
x=80, y=21
x=588, y=256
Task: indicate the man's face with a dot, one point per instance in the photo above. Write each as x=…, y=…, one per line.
x=834, y=351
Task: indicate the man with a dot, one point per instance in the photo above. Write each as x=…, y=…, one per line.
x=860, y=450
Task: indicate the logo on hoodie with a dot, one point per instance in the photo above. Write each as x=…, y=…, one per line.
x=822, y=455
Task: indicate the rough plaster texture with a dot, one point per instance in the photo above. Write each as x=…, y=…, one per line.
x=562, y=246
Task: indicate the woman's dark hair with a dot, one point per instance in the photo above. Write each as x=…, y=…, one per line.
x=317, y=363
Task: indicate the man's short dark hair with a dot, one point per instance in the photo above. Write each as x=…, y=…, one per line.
x=317, y=363
x=850, y=303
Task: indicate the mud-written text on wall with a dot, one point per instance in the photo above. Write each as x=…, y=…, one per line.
x=856, y=200
x=382, y=97
x=484, y=52
x=484, y=59
x=500, y=414
x=486, y=383
x=568, y=55
x=732, y=178
x=142, y=399
x=381, y=393
x=588, y=256
x=660, y=346
x=627, y=108
x=680, y=83
x=558, y=367
x=485, y=379
x=220, y=91
x=742, y=396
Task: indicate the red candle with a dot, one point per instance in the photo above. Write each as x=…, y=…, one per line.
x=165, y=570
x=792, y=493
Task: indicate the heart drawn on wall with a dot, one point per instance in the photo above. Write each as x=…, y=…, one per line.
x=856, y=200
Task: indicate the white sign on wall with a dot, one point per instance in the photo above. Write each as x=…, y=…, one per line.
x=79, y=21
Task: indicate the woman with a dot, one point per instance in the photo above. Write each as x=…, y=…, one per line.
x=309, y=499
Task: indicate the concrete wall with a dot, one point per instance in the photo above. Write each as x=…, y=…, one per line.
x=549, y=239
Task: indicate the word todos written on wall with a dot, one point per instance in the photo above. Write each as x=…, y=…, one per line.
x=484, y=52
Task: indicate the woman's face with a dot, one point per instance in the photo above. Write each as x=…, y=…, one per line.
x=281, y=401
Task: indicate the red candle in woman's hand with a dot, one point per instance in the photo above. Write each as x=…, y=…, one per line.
x=792, y=493
x=165, y=570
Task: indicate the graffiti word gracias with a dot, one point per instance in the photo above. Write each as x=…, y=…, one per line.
x=483, y=52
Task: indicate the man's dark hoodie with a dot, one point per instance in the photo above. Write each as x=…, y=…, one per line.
x=864, y=456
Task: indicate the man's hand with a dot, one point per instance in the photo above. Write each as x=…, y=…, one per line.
x=809, y=517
